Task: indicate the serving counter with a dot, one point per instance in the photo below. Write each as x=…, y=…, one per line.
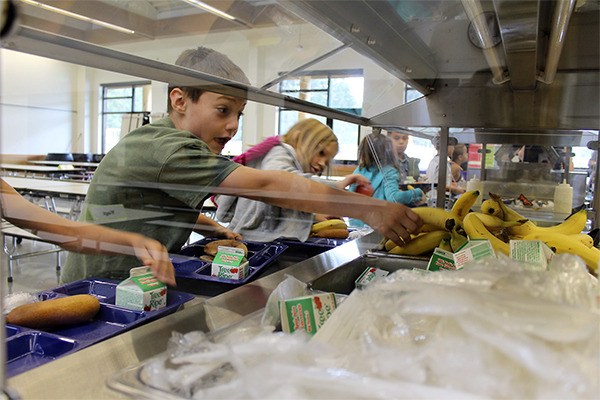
x=84, y=374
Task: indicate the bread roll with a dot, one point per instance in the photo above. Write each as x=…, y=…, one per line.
x=56, y=312
x=213, y=247
x=332, y=233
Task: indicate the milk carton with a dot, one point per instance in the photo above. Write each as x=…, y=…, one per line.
x=229, y=263
x=141, y=291
x=473, y=250
x=306, y=313
x=534, y=253
x=440, y=260
x=368, y=276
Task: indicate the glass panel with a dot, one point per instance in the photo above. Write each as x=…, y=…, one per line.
x=118, y=105
x=138, y=99
x=118, y=92
x=347, y=135
x=347, y=92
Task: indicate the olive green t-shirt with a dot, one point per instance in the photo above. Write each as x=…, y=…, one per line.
x=153, y=182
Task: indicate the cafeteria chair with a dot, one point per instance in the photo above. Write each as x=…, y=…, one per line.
x=11, y=233
x=82, y=157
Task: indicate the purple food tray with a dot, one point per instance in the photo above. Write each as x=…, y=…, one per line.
x=188, y=266
x=29, y=348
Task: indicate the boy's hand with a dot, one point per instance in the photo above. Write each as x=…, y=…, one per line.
x=395, y=221
x=224, y=233
x=154, y=255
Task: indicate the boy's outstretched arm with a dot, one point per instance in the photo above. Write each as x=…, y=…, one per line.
x=287, y=190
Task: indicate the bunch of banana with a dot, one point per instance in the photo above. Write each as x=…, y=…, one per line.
x=422, y=243
x=566, y=237
x=330, y=228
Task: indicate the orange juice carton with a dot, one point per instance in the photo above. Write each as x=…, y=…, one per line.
x=369, y=275
x=229, y=263
x=141, y=291
x=535, y=253
x=473, y=250
x=440, y=260
x=307, y=313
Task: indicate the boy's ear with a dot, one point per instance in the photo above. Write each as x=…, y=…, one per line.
x=178, y=100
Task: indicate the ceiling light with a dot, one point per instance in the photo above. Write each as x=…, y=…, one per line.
x=78, y=16
x=210, y=9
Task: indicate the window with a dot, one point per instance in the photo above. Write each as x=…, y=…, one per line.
x=411, y=94
x=342, y=90
x=124, y=106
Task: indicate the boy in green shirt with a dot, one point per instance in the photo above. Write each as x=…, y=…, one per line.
x=173, y=165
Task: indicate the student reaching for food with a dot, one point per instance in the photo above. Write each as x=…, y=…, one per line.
x=174, y=164
x=84, y=238
x=306, y=150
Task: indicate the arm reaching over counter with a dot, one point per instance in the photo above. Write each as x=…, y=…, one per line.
x=84, y=237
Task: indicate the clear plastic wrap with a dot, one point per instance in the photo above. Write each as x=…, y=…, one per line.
x=492, y=330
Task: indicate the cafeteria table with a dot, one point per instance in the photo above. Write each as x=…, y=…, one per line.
x=33, y=170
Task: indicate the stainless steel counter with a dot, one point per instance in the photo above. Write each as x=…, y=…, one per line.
x=83, y=375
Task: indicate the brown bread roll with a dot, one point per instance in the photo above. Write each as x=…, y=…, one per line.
x=332, y=233
x=213, y=247
x=56, y=312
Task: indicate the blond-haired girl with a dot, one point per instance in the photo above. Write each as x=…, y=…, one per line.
x=306, y=149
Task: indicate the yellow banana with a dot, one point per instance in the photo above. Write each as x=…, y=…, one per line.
x=457, y=240
x=463, y=204
x=436, y=216
x=584, y=238
x=491, y=207
x=476, y=230
x=562, y=243
x=421, y=244
x=493, y=223
x=389, y=245
x=445, y=244
x=329, y=224
x=575, y=223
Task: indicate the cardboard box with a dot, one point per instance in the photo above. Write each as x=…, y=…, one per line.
x=306, y=313
x=141, y=291
x=473, y=250
x=229, y=263
x=535, y=253
x=440, y=260
x=369, y=275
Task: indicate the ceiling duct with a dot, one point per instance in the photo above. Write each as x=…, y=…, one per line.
x=560, y=21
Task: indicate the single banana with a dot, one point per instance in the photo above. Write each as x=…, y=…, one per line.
x=493, y=223
x=584, y=238
x=475, y=229
x=389, y=245
x=421, y=244
x=457, y=240
x=328, y=224
x=575, y=223
x=445, y=244
x=562, y=243
x=491, y=207
x=436, y=216
x=463, y=204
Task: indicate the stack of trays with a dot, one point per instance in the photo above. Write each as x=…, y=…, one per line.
x=30, y=348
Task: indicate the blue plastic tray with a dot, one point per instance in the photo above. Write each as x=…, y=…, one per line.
x=316, y=242
x=188, y=266
x=29, y=348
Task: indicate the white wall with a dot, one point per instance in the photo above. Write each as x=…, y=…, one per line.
x=38, y=104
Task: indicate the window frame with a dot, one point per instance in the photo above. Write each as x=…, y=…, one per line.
x=104, y=88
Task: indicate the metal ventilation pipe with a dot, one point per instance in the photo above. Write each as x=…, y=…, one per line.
x=560, y=22
x=474, y=10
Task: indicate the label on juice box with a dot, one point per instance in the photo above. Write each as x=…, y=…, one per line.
x=307, y=313
x=473, y=250
x=440, y=260
x=534, y=253
x=229, y=263
x=369, y=275
x=141, y=291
